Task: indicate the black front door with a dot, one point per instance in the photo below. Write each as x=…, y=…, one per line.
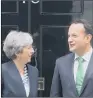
x=47, y=21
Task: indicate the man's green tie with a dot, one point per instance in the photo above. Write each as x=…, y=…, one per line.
x=79, y=75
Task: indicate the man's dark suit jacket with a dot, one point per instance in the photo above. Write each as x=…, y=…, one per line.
x=12, y=85
x=63, y=83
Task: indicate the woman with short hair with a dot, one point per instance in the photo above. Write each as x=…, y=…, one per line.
x=19, y=79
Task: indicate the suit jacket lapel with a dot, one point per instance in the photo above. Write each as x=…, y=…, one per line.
x=30, y=75
x=17, y=81
x=71, y=62
x=89, y=72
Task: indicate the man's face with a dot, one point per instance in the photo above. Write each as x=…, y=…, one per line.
x=77, y=38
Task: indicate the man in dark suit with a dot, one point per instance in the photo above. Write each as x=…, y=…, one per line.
x=73, y=74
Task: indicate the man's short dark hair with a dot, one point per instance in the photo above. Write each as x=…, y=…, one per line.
x=88, y=27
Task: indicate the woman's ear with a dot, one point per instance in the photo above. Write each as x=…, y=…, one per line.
x=17, y=56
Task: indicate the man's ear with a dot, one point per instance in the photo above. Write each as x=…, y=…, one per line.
x=88, y=38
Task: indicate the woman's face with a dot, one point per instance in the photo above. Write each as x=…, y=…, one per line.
x=26, y=54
